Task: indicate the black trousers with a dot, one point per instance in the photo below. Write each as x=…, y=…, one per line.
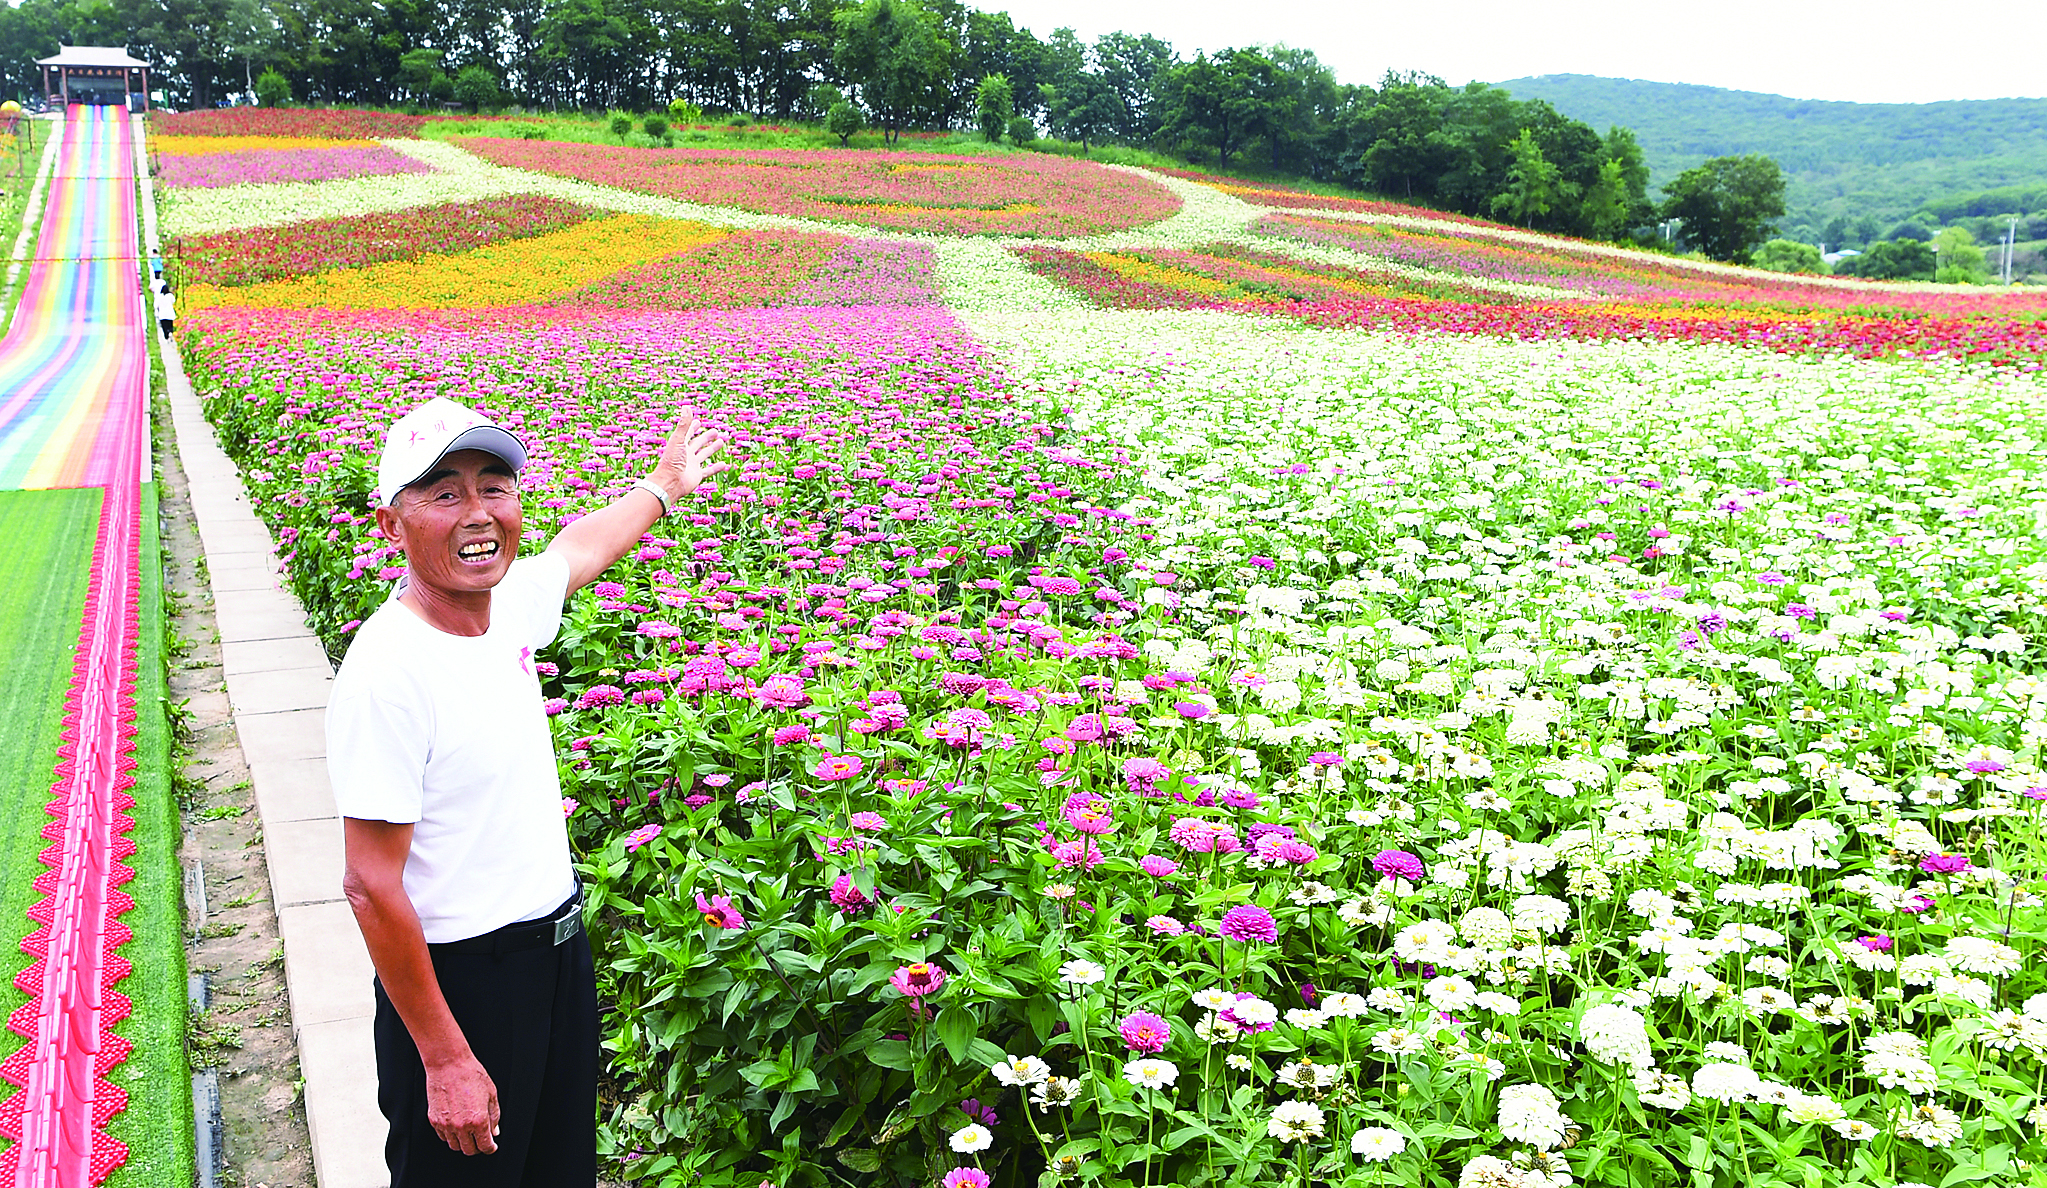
x=530, y=1015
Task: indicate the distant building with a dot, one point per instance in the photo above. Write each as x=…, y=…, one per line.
x=103, y=74
x=1833, y=258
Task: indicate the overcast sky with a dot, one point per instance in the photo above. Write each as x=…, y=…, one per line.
x=1872, y=51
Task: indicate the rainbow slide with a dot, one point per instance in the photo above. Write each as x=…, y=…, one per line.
x=75, y=365
x=74, y=371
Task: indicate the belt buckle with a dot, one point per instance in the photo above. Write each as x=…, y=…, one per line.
x=568, y=924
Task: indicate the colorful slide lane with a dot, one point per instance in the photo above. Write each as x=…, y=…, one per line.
x=73, y=393
x=74, y=367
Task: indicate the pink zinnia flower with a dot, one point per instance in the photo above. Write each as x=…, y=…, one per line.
x=872, y=822
x=1944, y=863
x=1250, y=923
x=1165, y=926
x=847, y=896
x=918, y=979
x=1089, y=813
x=1156, y=866
x=839, y=767
x=1143, y=775
x=1145, y=1032
x=1397, y=864
x=966, y=1177
x=719, y=912
x=641, y=836
x=1085, y=728
x=792, y=734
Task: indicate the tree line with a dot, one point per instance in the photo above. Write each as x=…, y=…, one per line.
x=896, y=64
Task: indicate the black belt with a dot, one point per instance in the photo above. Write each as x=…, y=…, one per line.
x=554, y=929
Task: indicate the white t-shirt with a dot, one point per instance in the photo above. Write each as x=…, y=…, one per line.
x=446, y=732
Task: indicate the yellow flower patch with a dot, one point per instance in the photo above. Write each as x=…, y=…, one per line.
x=518, y=272
x=1146, y=272
x=202, y=146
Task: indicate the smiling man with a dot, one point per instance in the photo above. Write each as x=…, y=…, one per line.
x=458, y=863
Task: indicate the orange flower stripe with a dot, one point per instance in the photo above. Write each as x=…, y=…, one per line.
x=517, y=272
x=1146, y=272
x=199, y=146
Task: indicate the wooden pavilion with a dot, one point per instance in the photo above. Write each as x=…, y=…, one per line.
x=94, y=74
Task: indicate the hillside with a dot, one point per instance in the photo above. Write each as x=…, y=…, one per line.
x=1858, y=161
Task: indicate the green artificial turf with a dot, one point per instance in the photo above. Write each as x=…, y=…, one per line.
x=43, y=575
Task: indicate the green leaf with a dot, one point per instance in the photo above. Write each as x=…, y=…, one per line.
x=861, y=1159
x=890, y=1054
x=956, y=1030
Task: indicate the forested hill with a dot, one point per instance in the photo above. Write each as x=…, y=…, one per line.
x=1844, y=160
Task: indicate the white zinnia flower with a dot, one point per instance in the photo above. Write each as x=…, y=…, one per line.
x=1529, y=1114
x=1151, y=1073
x=1377, y=1144
x=1082, y=973
x=1020, y=1070
x=1615, y=1034
x=1930, y=1124
x=971, y=1138
x=1725, y=1082
x=1295, y=1122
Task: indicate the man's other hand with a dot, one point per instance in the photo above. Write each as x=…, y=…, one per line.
x=462, y=1106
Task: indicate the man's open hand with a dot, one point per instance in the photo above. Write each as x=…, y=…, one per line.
x=686, y=459
x=462, y=1106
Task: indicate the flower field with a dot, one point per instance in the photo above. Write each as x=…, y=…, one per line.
x=1028, y=196
x=1102, y=731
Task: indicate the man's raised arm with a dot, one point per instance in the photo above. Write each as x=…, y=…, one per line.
x=595, y=542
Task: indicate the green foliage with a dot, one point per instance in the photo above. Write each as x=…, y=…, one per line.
x=894, y=52
x=994, y=107
x=655, y=126
x=842, y=121
x=1961, y=261
x=1533, y=184
x=1728, y=205
x=682, y=113
x=1021, y=130
x=621, y=125
x=272, y=90
x=477, y=88
x=1789, y=255
x=1841, y=160
x=416, y=71
x=1891, y=259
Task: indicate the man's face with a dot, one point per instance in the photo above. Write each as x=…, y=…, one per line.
x=459, y=525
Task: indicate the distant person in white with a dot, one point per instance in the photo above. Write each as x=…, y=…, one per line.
x=458, y=863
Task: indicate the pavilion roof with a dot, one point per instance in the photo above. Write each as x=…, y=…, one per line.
x=92, y=55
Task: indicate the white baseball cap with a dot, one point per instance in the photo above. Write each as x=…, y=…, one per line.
x=417, y=441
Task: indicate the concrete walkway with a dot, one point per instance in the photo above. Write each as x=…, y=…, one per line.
x=277, y=683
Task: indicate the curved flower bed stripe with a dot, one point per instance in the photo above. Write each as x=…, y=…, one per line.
x=744, y=269
x=264, y=166
x=202, y=146
x=84, y=297
x=1596, y=270
x=1024, y=196
x=513, y=272
x=321, y=123
x=872, y=272
x=297, y=249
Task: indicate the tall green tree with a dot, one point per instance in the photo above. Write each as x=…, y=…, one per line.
x=995, y=106
x=1534, y=184
x=1083, y=107
x=1728, y=205
x=891, y=51
x=1131, y=64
